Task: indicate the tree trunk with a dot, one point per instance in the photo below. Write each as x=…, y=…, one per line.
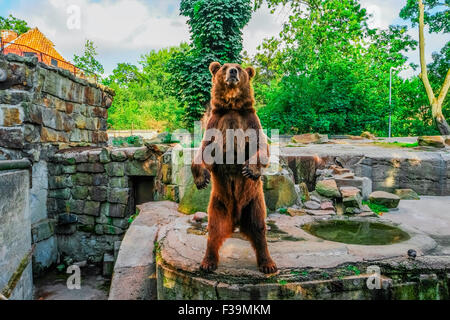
x=442, y=125
x=436, y=103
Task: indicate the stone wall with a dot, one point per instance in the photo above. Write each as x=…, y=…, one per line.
x=92, y=195
x=44, y=110
x=15, y=235
x=426, y=172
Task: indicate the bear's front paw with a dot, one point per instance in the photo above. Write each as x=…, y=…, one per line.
x=202, y=179
x=251, y=171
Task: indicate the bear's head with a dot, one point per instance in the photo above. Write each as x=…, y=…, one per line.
x=232, y=87
x=231, y=75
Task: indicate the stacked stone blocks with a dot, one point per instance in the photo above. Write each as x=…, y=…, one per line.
x=42, y=105
x=92, y=192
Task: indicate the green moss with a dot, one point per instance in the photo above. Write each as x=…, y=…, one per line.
x=354, y=269
x=396, y=144
x=294, y=146
x=70, y=161
x=134, y=216
x=282, y=282
x=87, y=229
x=377, y=208
x=195, y=200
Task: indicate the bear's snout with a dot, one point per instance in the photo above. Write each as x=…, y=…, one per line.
x=232, y=76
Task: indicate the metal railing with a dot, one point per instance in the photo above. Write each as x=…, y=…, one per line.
x=43, y=57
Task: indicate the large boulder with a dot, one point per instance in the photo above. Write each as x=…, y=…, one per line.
x=386, y=199
x=368, y=135
x=310, y=138
x=349, y=191
x=407, y=194
x=279, y=187
x=353, y=202
x=328, y=188
x=194, y=200
x=432, y=141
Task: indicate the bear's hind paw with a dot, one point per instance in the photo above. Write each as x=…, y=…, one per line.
x=268, y=268
x=208, y=266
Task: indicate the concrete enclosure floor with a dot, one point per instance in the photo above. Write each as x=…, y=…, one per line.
x=53, y=286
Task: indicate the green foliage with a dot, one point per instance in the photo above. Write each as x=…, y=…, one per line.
x=14, y=24
x=437, y=70
x=216, y=35
x=132, y=141
x=437, y=18
x=437, y=14
x=142, y=99
x=328, y=72
x=87, y=62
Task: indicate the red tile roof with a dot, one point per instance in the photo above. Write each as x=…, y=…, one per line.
x=35, y=41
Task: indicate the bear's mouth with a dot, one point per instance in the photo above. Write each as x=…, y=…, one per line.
x=232, y=81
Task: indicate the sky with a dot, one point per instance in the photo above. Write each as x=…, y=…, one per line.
x=123, y=30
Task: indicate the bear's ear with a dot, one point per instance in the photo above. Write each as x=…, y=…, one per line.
x=214, y=67
x=251, y=72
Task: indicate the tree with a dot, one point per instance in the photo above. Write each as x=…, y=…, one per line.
x=142, y=99
x=438, y=21
x=332, y=70
x=88, y=62
x=14, y=24
x=122, y=75
x=216, y=35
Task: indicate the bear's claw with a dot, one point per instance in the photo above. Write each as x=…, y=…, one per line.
x=204, y=181
x=268, y=268
x=208, y=266
x=249, y=173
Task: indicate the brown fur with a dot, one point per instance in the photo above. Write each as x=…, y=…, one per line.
x=237, y=198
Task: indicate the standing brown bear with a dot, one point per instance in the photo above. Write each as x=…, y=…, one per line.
x=237, y=198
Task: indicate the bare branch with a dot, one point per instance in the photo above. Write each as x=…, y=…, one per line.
x=444, y=89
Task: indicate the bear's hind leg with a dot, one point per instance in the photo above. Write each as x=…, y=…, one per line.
x=220, y=227
x=253, y=226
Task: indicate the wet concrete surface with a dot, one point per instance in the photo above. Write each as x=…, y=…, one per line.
x=53, y=286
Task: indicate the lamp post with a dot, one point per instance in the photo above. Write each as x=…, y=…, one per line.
x=390, y=100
